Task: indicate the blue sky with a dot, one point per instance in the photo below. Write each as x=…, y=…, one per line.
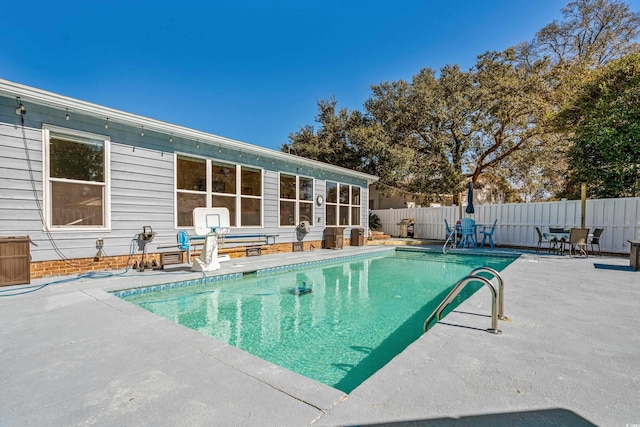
x=249, y=70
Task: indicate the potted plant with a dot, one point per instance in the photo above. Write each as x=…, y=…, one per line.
x=374, y=224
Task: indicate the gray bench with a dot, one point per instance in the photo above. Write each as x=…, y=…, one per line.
x=186, y=242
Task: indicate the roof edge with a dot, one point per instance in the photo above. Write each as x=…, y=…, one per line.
x=53, y=100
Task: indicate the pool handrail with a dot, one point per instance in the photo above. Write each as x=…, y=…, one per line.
x=497, y=275
x=451, y=238
x=437, y=313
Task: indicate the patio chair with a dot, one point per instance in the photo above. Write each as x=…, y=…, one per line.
x=467, y=233
x=578, y=237
x=595, y=240
x=487, y=232
x=541, y=239
x=449, y=230
x=557, y=243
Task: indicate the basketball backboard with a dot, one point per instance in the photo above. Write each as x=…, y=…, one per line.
x=206, y=220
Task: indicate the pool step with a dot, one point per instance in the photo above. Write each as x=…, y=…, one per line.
x=379, y=235
x=401, y=242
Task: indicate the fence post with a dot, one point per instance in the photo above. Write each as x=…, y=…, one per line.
x=583, y=206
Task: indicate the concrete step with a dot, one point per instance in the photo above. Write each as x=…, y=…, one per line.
x=379, y=235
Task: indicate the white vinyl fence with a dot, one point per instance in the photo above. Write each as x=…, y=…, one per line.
x=620, y=219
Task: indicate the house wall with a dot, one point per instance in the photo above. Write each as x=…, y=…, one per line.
x=402, y=200
x=142, y=185
x=377, y=200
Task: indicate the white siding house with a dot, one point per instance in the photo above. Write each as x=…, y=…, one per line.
x=72, y=172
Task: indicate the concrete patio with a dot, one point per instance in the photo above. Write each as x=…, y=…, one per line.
x=73, y=354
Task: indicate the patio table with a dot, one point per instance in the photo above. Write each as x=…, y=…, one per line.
x=559, y=238
x=459, y=227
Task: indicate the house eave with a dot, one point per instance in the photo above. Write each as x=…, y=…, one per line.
x=72, y=105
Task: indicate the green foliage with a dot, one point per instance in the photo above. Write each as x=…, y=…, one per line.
x=351, y=140
x=593, y=33
x=76, y=160
x=430, y=117
x=512, y=102
x=606, y=116
x=374, y=221
x=498, y=119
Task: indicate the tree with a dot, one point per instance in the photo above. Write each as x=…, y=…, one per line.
x=432, y=134
x=75, y=160
x=429, y=135
x=593, y=33
x=331, y=142
x=606, y=118
x=351, y=140
x=462, y=124
x=512, y=103
x=431, y=119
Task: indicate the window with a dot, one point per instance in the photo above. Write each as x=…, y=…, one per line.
x=191, y=183
x=355, y=206
x=305, y=199
x=296, y=200
x=224, y=188
x=77, y=180
x=332, y=204
x=209, y=183
x=287, y=200
x=343, y=204
x=251, y=196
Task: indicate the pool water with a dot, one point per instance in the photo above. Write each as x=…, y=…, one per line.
x=358, y=316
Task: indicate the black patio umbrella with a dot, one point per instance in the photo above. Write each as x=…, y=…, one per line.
x=470, y=209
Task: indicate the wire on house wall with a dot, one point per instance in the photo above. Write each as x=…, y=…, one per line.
x=107, y=117
x=22, y=111
x=395, y=190
x=21, y=290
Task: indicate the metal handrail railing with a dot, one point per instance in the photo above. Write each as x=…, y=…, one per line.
x=437, y=313
x=497, y=275
x=451, y=238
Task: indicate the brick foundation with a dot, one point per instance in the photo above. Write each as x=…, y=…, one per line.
x=74, y=266
x=80, y=265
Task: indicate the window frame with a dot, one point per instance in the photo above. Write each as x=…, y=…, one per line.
x=209, y=192
x=241, y=196
x=47, y=180
x=296, y=199
x=338, y=204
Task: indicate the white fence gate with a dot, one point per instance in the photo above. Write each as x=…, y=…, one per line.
x=620, y=219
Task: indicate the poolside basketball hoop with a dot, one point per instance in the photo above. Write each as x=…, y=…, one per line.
x=214, y=224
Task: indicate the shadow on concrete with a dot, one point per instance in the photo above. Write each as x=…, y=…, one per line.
x=539, y=418
x=472, y=314
x=398, y=340
x=614, y=267
x=462, y=326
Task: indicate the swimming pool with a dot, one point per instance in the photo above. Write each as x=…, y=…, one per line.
x=359, y=314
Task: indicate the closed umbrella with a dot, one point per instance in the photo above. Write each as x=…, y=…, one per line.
x=470, y=209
